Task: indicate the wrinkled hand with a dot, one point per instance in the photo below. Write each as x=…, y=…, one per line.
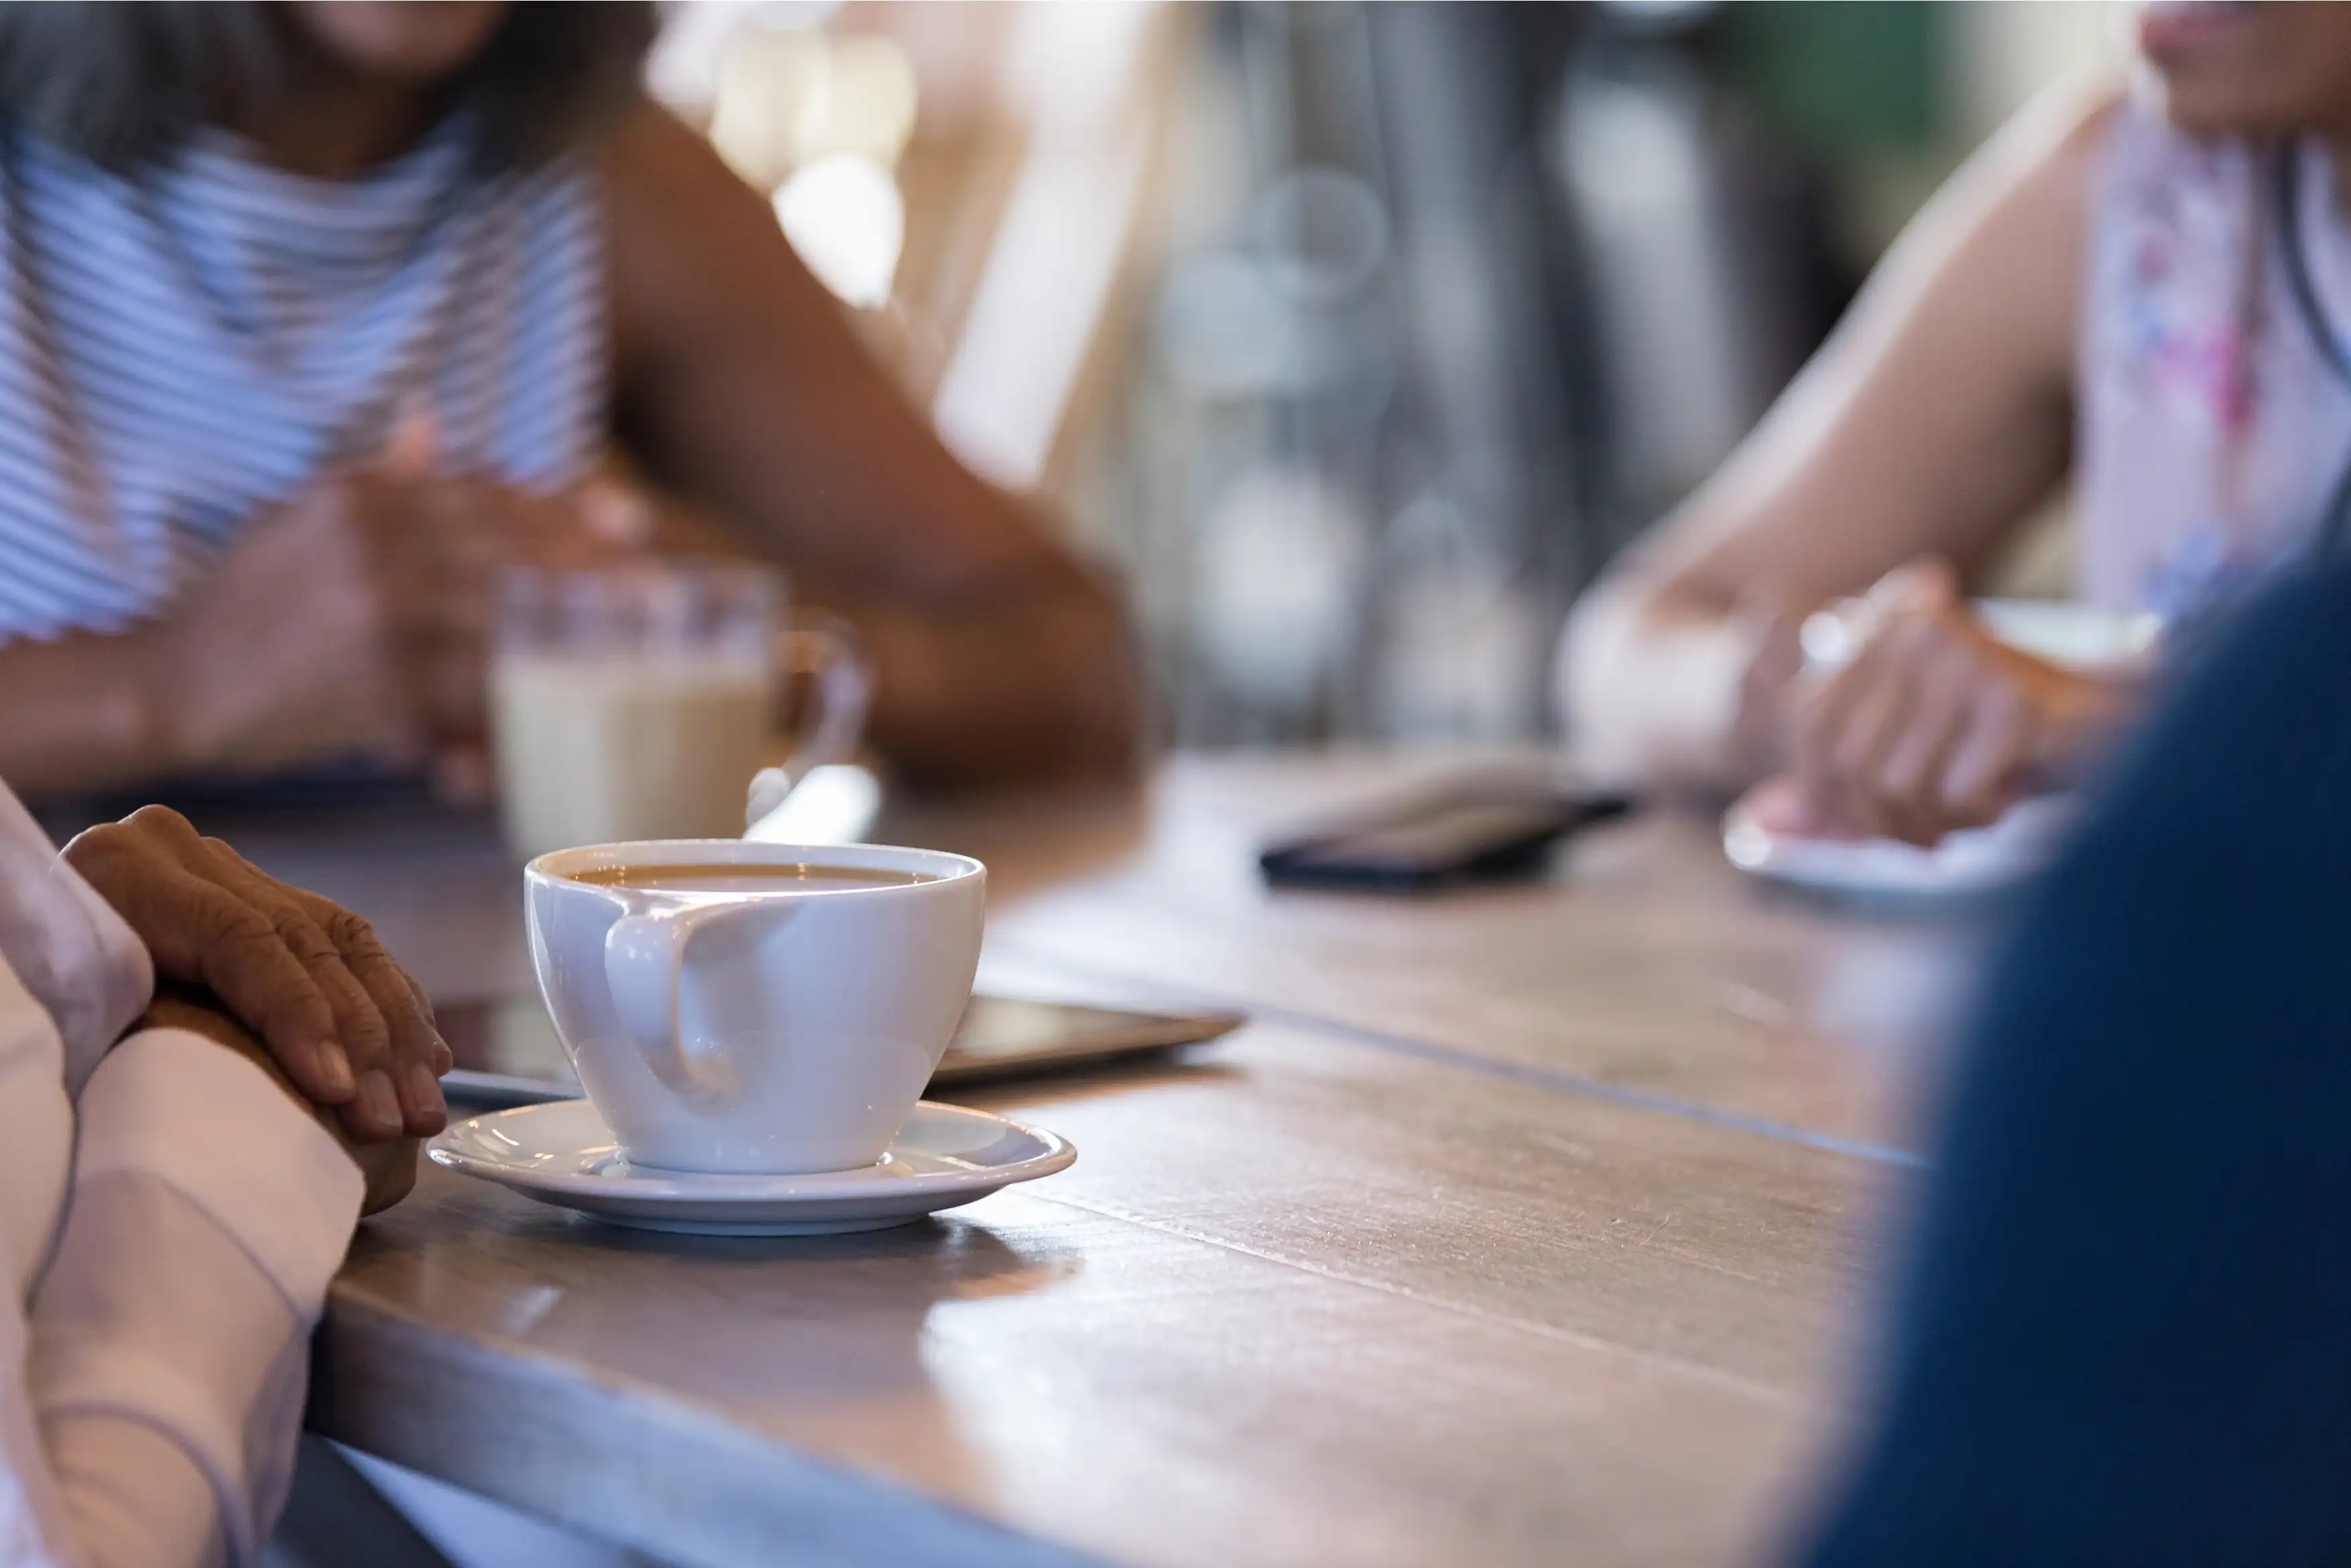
x=1934, y=724
x=389, y=1168
x=348, y=1026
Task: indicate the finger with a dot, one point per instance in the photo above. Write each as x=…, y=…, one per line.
x=1771, y=622
x=374, y=1108
x=1878, y=730
x=411, y=449
x=1927, y=585
x=591, y=524
x=390, y=1169
x=616, y=515
x=235, y=951
x=195, y=930
x=415, y=1045
x=1781, y=805
x=447, y=1058
x=1872, y=724
x=449, y=680
x=1817, y=718
x=1916, y=777
x=1910, y=779
x=416, y=538
x=1988, y=767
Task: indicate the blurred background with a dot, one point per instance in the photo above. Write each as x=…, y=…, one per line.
x=1357, y=338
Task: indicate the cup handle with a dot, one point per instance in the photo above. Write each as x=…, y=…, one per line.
x=645, y=953
x=828, y=653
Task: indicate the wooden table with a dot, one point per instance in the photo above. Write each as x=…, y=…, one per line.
x=1518, y=1228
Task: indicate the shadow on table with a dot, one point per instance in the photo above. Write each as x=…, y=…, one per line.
x=725, y=1318
x=817, y=1342
x=950, y=1254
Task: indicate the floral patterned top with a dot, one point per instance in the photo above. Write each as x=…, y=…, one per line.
x=2210, y=430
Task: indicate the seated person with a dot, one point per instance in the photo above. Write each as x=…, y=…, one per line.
x=2121, y=1333
x=2108, y=287
x=315, y=315
x=173, y=1199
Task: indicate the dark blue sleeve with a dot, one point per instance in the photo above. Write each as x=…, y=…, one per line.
x=2125, y=1336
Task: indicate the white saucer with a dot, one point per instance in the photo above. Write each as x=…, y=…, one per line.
x=562, y=1153
x=1964, y=865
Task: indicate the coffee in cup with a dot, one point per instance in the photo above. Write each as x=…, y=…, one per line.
x=730, y=880
x=752, y=1007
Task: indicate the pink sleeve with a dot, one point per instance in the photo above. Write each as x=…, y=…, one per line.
x=162, y=1359
x=67, y=947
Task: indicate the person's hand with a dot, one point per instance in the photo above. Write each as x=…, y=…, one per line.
x=356, y=616
x=389, y=1166
x=286, y=652
x=1770, y=621
x=440, y=544
x=348, y=1025
x=1933, y=724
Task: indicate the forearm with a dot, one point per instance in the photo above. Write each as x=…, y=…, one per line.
x=156, y=1340
x=1035, y=682
x=66, y=946
x=1652, y=689
x=77, y=713
x=136, y=1499
x=1023, y=674
x=1936, y=415
x=743, y=389
x=208, y=1212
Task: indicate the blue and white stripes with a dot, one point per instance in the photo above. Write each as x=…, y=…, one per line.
x=181, y=350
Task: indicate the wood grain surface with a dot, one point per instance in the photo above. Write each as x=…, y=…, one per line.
x=1518, y=1228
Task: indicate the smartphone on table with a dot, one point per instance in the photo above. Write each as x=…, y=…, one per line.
x=1468, y=832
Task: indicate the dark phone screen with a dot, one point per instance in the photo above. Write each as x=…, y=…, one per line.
x=1447, y=835
x=1432, y=840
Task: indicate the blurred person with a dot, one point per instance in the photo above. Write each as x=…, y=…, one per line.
x=313, y=316
x=173, y=1199
x=2121, y=1335
x=2114, y=286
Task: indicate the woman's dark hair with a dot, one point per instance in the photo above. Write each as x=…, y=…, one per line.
x=123, y=83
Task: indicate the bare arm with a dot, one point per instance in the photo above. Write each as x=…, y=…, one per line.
x=348, y=621
x=75, y=713
x=276, y=657
x=744, y=389
x=1933, y=421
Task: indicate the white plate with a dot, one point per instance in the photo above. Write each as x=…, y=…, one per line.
x=2082, y=637
x=2077, y=636
x=1964, y=865
x=562, y=1153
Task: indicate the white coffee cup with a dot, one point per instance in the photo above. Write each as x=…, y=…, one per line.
x=775, y=1030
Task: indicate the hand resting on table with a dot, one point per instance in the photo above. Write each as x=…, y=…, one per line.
x=1931, y=724
x=347, y=1024
x=388, y=1166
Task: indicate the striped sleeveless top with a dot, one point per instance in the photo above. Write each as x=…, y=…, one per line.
x=181, y=349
